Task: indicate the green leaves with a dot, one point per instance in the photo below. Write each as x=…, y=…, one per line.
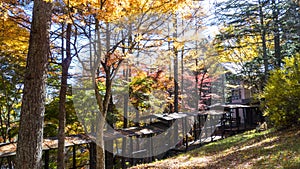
x=51, y=119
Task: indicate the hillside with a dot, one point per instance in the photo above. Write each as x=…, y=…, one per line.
x=268, y=149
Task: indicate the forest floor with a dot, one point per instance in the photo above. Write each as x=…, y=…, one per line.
x=266, y=149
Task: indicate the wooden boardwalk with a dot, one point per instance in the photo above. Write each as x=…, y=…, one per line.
x=188, y=130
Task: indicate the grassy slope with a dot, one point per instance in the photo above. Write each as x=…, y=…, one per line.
x=268, y=149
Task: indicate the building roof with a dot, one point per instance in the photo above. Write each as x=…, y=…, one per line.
x=9, y=149
x=232, y=67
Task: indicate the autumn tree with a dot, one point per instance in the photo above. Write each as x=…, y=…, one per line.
x=13, y=51
x=66, y=61
x=249, y=21
x=150, y=91
x=254, y=36
x=281, y=94
x=29, y=149
x=107, y=51
x=18, y=15
x=64, y=18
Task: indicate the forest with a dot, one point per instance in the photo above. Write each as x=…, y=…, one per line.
x=116, y=83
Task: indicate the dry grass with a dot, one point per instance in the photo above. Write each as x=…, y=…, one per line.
x=268, y=149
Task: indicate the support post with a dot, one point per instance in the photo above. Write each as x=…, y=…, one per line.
x=46, y=159
x=92, y=155
x=74, y=156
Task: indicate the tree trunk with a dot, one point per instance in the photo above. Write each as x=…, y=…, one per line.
x=276, y=35
x=126, y=99
x=198, y=91
x=176, y=86
x=29, y=149
x=264, y=43
x=182, y=71
x=62, y=101
x=109, y=144
x=109, y=156
x=103, y=106
x=100, y=151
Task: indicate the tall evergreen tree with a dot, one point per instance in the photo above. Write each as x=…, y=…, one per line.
x=273, y=23
x=29, y=149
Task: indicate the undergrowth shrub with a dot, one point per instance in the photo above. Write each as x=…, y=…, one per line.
x=282, y=94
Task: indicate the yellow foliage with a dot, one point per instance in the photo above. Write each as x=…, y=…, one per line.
x=246, y=52
x=178, y=45
x=13, y=39
x=240, y=49
x=282, y=94
x=112, y=10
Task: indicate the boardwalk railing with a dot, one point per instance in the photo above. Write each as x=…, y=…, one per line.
x=144, y=144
